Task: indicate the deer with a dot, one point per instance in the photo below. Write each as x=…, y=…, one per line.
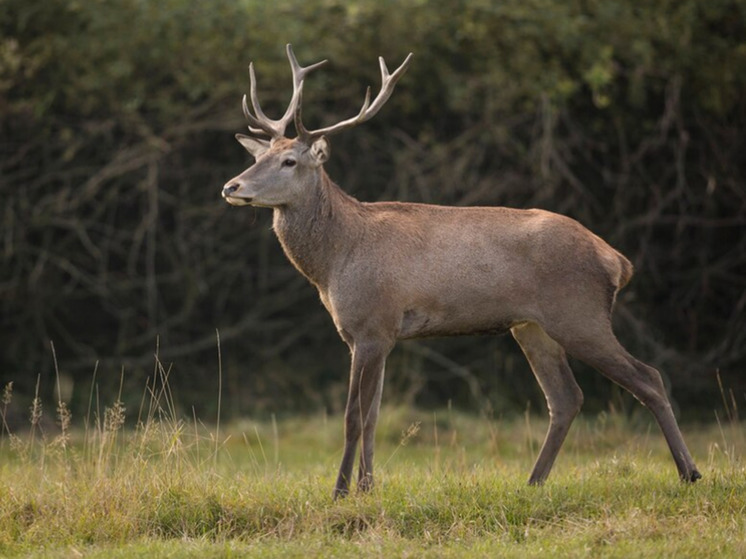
x=388, y=271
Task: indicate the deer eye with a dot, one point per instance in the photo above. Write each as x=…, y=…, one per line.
x=288, y=163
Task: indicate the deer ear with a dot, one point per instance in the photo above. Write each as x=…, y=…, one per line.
x=320, y=151
x=254, y=146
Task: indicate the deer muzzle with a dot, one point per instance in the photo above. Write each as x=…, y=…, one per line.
x=229, y=191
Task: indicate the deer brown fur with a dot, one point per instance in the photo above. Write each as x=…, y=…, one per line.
x=387, y=271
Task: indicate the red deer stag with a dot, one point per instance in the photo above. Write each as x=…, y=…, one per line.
x=387, y=271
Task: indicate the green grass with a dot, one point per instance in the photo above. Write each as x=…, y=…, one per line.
x=448, y=485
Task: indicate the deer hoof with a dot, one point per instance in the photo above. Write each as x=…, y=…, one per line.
x=365, y=484
x=694, y=475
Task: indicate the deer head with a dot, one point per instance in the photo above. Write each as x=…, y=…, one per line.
x=284, y=166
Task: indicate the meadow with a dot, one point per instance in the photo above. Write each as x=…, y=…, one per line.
x=149, y=483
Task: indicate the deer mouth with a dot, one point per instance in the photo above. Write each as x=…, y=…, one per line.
x=235, y=201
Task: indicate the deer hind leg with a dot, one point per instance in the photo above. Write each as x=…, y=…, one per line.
x=361, y=414
x=563, y=395
x=601, y=350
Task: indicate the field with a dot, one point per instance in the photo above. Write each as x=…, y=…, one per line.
x=449, y=484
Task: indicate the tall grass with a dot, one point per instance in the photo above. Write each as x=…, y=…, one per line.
x=449, y=484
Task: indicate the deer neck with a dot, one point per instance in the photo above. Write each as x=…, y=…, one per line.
x=318, y=231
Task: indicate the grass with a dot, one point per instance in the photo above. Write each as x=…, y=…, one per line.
x=449, y=485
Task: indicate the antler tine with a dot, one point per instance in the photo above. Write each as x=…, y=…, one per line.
x=261, y=124
x=258, y=124
x=299, y=75
x=368, y=110
x=388, y=82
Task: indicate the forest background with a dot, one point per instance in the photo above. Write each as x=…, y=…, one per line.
x=116, y=136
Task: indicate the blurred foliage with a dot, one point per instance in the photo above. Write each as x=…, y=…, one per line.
x=116, y=124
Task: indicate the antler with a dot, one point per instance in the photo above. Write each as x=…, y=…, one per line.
x=388, y=81
x=261, y=124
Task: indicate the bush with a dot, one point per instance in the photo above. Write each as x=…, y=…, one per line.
x=117, y=119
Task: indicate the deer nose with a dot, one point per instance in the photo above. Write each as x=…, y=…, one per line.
x=230, y=189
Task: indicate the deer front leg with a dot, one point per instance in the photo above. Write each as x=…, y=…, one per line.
x=361, y=414
x=365, y=471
